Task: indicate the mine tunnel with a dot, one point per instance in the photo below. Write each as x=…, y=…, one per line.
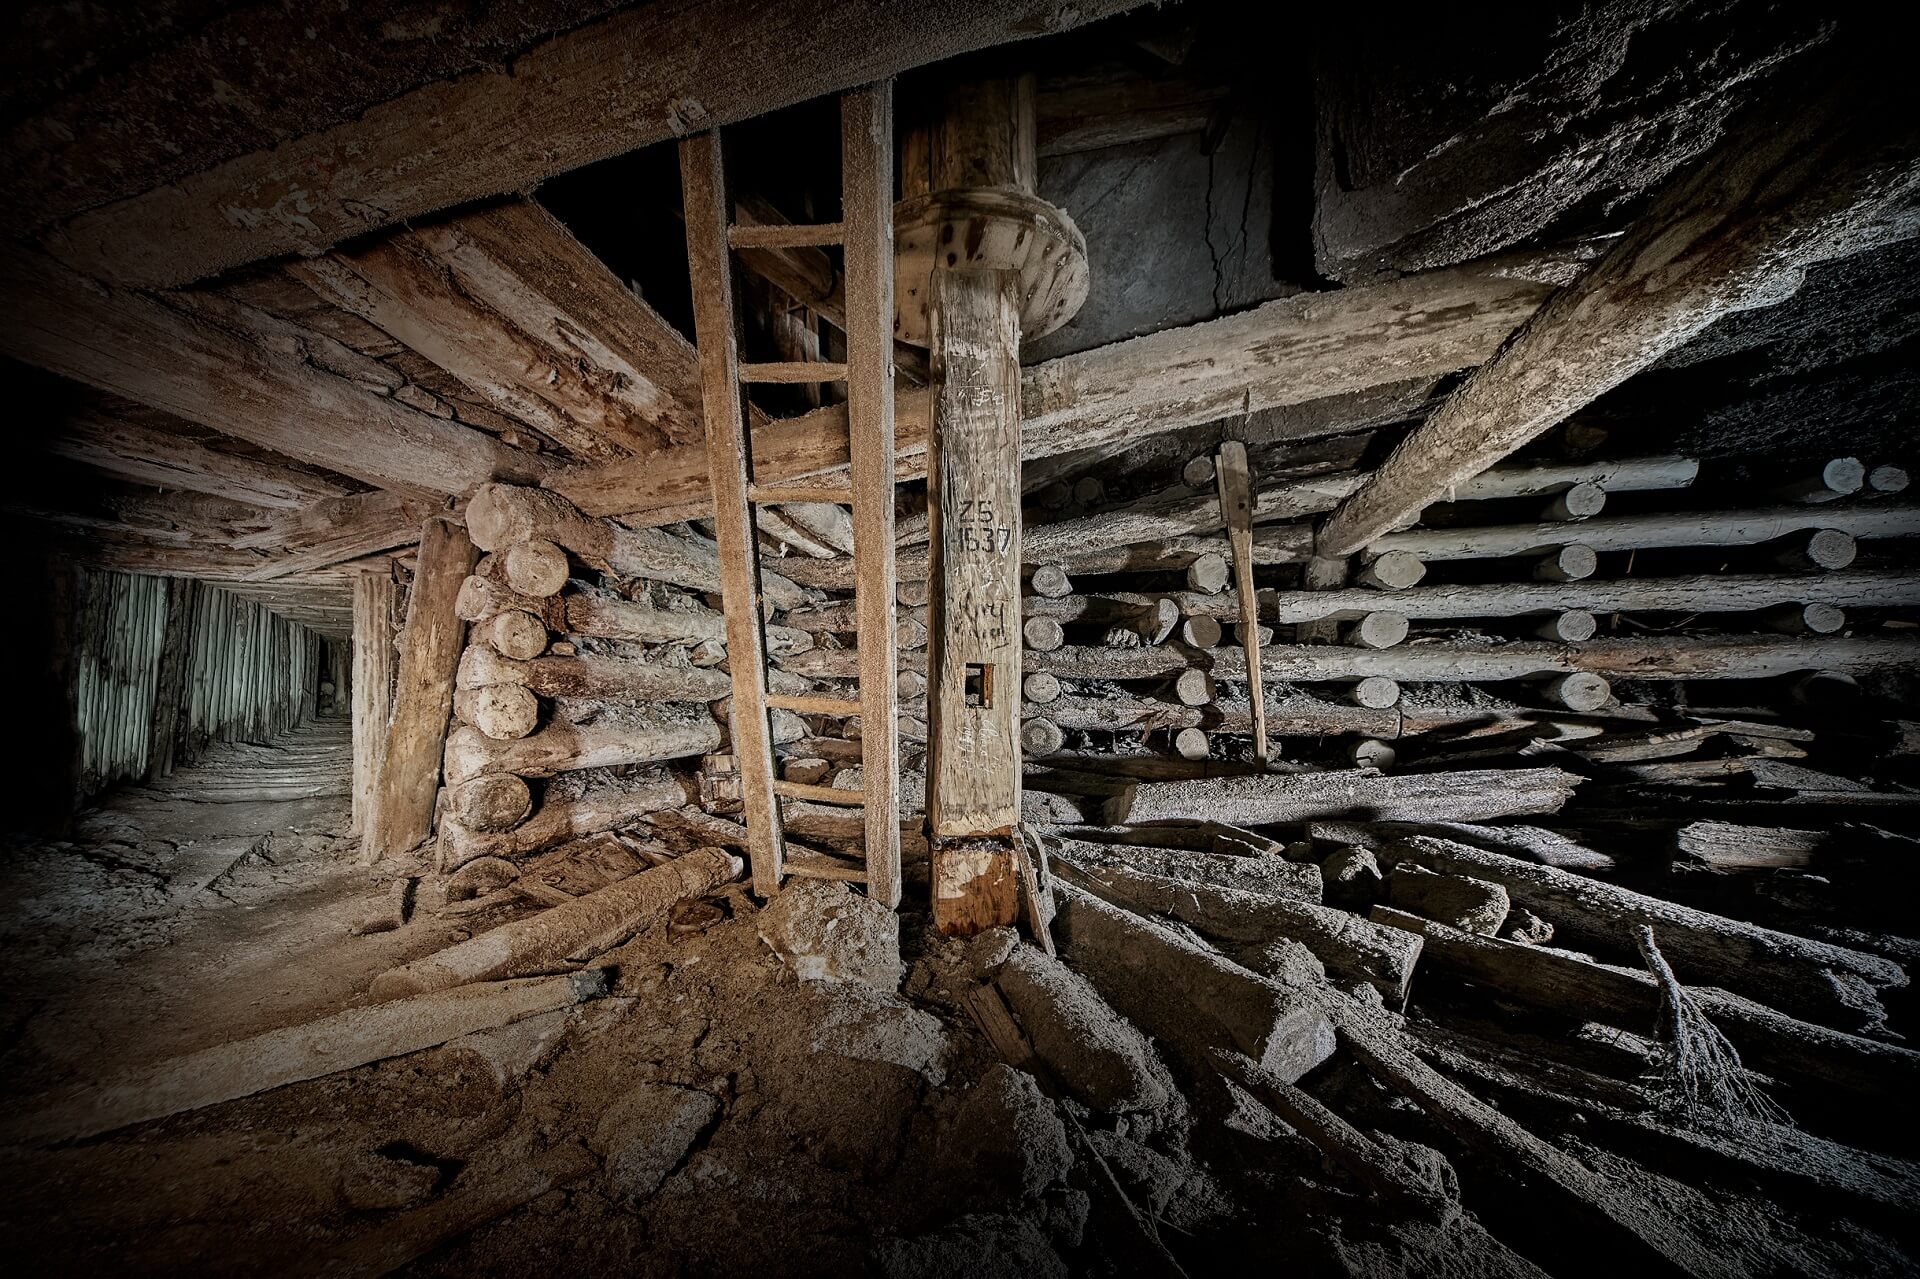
x=947, y=641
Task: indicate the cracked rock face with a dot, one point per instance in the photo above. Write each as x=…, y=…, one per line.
x=1441, y=141
x=647, y=1134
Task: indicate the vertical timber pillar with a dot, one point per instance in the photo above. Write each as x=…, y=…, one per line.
x=374, y=598
x=981, y=259
x=409, y=777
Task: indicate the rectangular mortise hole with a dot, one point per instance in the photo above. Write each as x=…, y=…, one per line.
x=979, y=688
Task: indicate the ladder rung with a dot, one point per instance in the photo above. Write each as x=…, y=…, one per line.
x=794, y=371
x=812, y=704
x=779, y=494
x=785, y=235
x=826, y=870
x=820, y=794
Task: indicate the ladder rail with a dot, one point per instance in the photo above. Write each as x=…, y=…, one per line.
x=703, y=180
x=866, y=146
x=866, y=235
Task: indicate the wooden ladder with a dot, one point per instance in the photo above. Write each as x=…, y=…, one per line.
x=865, y=233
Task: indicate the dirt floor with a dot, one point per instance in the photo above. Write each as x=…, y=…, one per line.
x=719, y=1114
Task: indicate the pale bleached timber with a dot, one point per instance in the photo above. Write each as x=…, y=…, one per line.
x=1263, y=800
x=1706, y=593
x=635, y=737
x=584, y=927
x=1628, y=475
x=499, y=515
x=597, y=802
x=1641, y=532
x=602, y=677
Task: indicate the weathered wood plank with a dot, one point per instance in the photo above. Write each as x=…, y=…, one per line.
x=224, y=374
x=703, y=180
x=147, y=455
x=375, y=600
x=402, y=812
x=1293, y=351
x=640, y=77
x=866, y=143
x=510, y=303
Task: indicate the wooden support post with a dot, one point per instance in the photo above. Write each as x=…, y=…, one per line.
x=402, y=813
x=170, y=682
x=1236, y=507
x=703, y=179
x=982, y=140
x=374, y=598
x=866, y=143
x=973, y=776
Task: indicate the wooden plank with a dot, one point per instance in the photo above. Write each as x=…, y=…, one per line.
x=1656, y=529
x=781, y=494
x=375, y=600
x=1778, y=193
x=149, y=455
x=1315, y=347
x=402, y=812
x=1236, y=504
x=789, y=235
x=489, y=297
x=866, y=143
x=793, y=372
x=814, y=704
x=703, y=180
x=819, y=794
x=577, y=98
x=240, y=383
x=337, y=531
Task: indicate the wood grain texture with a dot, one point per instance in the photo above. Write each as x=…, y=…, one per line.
x=1292, y=351
x=703, y=181
x=866, y=144
x=974, y=614
x=647, y=75
x=409, y=771
x=243, y=373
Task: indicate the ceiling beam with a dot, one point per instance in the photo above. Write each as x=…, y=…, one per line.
x=168, y=459
x=243, y=373
x=1298, y=350
x=654, y=73
x=509, y=302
